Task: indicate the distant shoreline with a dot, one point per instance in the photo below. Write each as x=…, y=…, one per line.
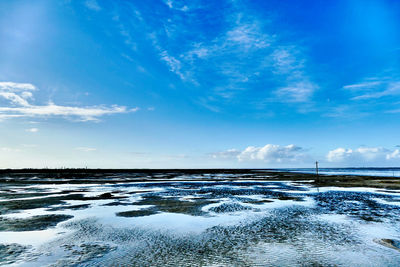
x=193, y=170
x=75, y=176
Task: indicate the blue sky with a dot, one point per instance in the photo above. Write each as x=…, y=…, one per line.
x=199, y=84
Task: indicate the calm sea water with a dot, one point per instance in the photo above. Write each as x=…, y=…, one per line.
x=384, y=172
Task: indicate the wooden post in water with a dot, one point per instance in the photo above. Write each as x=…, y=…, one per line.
x=316, y=170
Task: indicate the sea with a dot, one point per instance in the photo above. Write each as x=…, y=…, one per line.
x=366, y=171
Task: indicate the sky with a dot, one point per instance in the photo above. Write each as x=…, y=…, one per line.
x=199, y=84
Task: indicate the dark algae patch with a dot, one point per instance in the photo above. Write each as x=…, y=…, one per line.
x=138, y=213
x=39, y=222
x=80, y=254
x=174, y=205
x=45, y=202
x=229, y=207
x=70, y=207
x=13, y=205
x=360, y=205
x=390, y=243
x=11, y=253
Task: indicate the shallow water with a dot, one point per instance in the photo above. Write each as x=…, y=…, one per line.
x=382, y=172
x=198, y=223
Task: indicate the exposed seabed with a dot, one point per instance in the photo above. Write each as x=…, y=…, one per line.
x=198, y=218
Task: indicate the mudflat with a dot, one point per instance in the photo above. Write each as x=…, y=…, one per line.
x=197, y=218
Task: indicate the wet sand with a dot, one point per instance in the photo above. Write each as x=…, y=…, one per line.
x=197, y=218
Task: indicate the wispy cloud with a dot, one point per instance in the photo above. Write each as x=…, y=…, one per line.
x=32, y=130
x=17, y=97
x=29, y=145
x=173, y=64
x=176, y=5
x=85, y=149
x=393, y=111
x=240, y=53
x=247, y=35
x=374, y=88
x=289, y=65
x=297, y=91
x=228, y=154
x=93, y=5
x=363, y=85
x=9, y=149
x=391, y=89
x=347, y=112
x=235, y=57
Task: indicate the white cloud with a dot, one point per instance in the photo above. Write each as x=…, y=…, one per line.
x=85, y=149
x=32, y=130
x=26, y=95
x=394, y=155
x=82, y=113
x=375, y=155
x=269, y=153
x=17, y=96
x=16, y=93
x=169, y=3
x=273, y=153
x=14, y=98
x=16, y=87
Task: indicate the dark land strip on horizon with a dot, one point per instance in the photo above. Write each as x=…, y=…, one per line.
x=75, y=176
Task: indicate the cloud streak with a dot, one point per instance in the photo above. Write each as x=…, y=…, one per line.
x=374, y=88
x=17, y=96
x=32, y=130
x=85, y=149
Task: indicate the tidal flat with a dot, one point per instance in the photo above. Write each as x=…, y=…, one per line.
x=197, y=218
